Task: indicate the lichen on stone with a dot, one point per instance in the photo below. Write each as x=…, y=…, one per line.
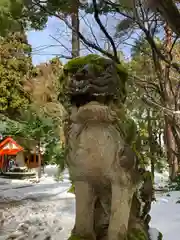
x=75, y=237
x=137, y=234
x=98, y=63
x=72, y=237
x=71, y=189
x=160, y=237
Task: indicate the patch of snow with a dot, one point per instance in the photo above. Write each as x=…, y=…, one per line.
x=163, y=200
x=161, y=180
x=24, y=189
x=51, y=166
x=46, y=207
x=165, y=215
x=153, y=233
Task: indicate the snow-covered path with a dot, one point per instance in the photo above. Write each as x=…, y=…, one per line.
x=46, y=209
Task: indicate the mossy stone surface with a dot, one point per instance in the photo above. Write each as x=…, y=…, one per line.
x=97, y=62
x=99, y=65
x=71, y=189
x=160, y=237
x=74, y=238
x=137, y=234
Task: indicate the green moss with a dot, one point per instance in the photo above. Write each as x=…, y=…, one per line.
x=77, y=63
x=72, y=189
x=160, y=237
x=97, y=62
x=74, y=238
x=137, y=234
x=141, y=161
x=131, y=130
x=98, y=65
x=147, y=176
x=126, y=124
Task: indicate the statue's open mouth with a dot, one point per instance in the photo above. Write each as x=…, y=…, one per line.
x=82, y=99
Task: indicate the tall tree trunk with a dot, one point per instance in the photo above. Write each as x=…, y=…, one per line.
x=169, y=137
x=170, y=147
x=38, y=176
x=75, y=24
x=151, y=144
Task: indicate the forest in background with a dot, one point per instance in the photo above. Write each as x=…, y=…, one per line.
x=29, y=107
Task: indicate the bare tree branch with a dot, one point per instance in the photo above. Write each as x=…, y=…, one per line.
x=174, y=42
x=63, y=18
x=148, y=35
x=53, y=54
x=57, y=40
x=91, y=30
x=96, y=16
x=169, y=11
x=167, y=111
x=151, y=40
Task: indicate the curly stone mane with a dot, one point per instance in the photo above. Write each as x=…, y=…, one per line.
x=94, y=78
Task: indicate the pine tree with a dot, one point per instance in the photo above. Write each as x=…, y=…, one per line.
x=10, y=16
x=15, y=67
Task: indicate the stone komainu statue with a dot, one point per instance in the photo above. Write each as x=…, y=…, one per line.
x=104, y=169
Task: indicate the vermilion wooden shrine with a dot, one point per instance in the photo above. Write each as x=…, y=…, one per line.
x=8, y=147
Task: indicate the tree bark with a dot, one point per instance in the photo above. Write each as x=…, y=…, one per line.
x=170, y=145
x=169, y=11
x=169, y=102
x=39, y=162
x=151, y=145
x=75, y=25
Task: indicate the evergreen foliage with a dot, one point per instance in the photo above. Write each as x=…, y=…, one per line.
x=15, y=67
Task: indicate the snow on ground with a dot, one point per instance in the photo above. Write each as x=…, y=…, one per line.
x=25, y=189
x=165, y=214
x=40, y=210
x=161, y=180
x=43, y=209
